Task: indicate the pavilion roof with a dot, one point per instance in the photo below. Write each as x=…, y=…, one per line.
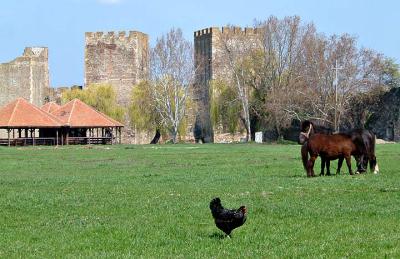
x=50, y=107
x=77, y=114
x=22, y=114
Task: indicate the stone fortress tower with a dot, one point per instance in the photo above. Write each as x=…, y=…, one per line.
x=208, y=59
x=117, y=59
x=120, y=60
x=26, y=76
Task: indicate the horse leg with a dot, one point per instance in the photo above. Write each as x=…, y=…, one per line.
x=323, y=160
x=328, y=164
x=310, y=166
x=348, y=162
x=339, y=165
x=361, y=162
x=373, y=165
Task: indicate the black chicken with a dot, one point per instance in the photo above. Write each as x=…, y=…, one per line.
x=225, y=219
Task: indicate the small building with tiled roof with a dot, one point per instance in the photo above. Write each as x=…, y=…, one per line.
x=73, y=123
x=87, y=124
x=26, y=118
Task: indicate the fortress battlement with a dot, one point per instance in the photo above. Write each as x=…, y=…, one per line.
x=114, y=37
x=36, y=52
x=226, y=30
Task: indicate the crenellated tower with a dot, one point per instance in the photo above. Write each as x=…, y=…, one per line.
x=118, y=59
x=209, y=59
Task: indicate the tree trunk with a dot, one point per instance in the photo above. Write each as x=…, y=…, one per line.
x=174, y=134
x=156, y=137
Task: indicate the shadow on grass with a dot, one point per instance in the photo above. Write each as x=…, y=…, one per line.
x=217, y=235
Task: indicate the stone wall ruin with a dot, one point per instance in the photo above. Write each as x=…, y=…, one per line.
x=26, y=76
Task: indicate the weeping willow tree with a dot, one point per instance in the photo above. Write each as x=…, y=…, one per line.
x=100, y=96
x=225, y=107
x=142, y=112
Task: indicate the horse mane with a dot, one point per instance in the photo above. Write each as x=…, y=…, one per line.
x=318, y=125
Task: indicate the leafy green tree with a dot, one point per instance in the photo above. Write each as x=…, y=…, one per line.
x=100, y=96
x=142, y=111
x=390, y=74
x=225, y=106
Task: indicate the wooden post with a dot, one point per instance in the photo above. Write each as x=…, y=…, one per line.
x=111, y=134
x=56, y=137
x=66, y=138
x=19, y=133
x=8, y=132
x=33, y=136
x=120, y=135
x=90, y=131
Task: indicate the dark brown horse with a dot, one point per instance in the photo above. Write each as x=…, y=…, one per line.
x=328, y=147
x=365, y=142
x=364, y=151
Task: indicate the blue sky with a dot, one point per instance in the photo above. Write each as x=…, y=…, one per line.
x=61, y=24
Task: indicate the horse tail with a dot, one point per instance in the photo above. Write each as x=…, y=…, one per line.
x=304, y=155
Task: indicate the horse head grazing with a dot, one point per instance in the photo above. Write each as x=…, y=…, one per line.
x=306, y=129
x=365, y=143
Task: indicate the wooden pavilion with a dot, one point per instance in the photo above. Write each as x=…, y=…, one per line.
x=23, y=120
x=85, y=125
x=72, y=123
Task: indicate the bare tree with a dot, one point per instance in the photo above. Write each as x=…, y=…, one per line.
x=236, y=48
x=279, y=67
x=285, y=70
x=172, y=74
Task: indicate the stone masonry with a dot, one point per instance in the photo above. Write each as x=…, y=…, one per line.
x=117, y=59
x=26, y=76
x=208, y=61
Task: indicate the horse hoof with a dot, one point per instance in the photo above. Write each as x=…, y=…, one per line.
x=376, y=171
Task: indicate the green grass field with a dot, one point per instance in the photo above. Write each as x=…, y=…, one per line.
x=152, y=201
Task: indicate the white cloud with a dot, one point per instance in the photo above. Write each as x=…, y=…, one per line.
x=110, y=2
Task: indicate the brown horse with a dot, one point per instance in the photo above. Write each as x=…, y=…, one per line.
x=328, y=147
x=364, y=141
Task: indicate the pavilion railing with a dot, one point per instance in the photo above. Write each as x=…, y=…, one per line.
x=89, y=140
x=27, y=141
x=53, y=141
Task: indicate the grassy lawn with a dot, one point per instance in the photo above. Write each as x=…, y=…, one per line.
x=152, y=201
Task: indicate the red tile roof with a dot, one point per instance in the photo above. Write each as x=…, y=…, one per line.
x=22, y=114
x=50, y=107
x=77, y=114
